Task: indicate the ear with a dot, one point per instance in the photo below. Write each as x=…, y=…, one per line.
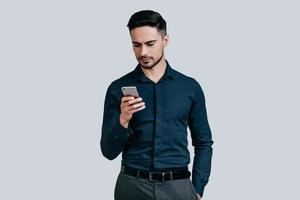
x=166, y=40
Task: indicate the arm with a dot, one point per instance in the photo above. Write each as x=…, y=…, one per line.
x=201, y=140
x=114, y=135
x=115, y=128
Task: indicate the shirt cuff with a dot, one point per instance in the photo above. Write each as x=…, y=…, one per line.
x=121, y=131
x=199, y=187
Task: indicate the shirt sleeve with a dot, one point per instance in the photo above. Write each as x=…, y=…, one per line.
x=114, y=136
x=201, y=140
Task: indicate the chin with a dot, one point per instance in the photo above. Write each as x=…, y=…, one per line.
x=146, y=66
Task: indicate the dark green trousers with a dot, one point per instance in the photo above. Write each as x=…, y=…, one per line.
x=132, y=188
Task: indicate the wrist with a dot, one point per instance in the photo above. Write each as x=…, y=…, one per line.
x=123, y=122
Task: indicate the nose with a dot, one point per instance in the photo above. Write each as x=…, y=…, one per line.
x=144, y=51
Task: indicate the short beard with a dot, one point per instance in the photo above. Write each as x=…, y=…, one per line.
x=150, y=67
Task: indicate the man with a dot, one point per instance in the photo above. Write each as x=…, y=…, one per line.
x=151, y=130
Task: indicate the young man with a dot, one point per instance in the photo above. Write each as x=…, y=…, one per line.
x=151, y=130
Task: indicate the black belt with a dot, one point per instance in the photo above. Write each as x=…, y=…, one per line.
x=167, y=175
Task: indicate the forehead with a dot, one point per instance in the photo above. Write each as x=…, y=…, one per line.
x=144, y=34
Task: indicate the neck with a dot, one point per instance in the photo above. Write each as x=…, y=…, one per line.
x=155, y=73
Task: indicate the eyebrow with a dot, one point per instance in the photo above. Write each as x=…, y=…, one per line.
x=145, y=42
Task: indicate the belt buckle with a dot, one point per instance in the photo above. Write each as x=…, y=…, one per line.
x=162, y=174
x=150, y=176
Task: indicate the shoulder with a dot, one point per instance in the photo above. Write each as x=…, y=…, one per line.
x=189, y=84
x=187, y=80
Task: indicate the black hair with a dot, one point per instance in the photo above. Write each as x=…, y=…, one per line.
x=148, y=18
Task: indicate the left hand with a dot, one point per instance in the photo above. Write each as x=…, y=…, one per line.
x=199, y=197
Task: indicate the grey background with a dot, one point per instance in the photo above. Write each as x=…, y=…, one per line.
x=58, y=57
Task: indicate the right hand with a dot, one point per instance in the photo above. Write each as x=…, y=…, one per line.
x=130, y=105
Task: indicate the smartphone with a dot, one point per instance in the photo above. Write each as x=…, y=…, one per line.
x=130, y=91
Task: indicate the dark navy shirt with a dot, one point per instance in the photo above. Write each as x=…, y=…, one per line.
x=156, y=138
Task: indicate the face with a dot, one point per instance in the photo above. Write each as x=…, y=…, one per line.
x=148, y=45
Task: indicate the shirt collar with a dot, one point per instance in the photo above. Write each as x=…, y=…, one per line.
x=169, y=73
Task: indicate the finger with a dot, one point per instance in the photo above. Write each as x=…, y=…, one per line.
x=137, y=105
x=128, y=108
x=137, y=109
x=133, y=101
x=127, y=98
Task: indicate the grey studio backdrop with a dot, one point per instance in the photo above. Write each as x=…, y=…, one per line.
x=57, y=59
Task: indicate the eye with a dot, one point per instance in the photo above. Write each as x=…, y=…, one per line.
x=150, y=44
